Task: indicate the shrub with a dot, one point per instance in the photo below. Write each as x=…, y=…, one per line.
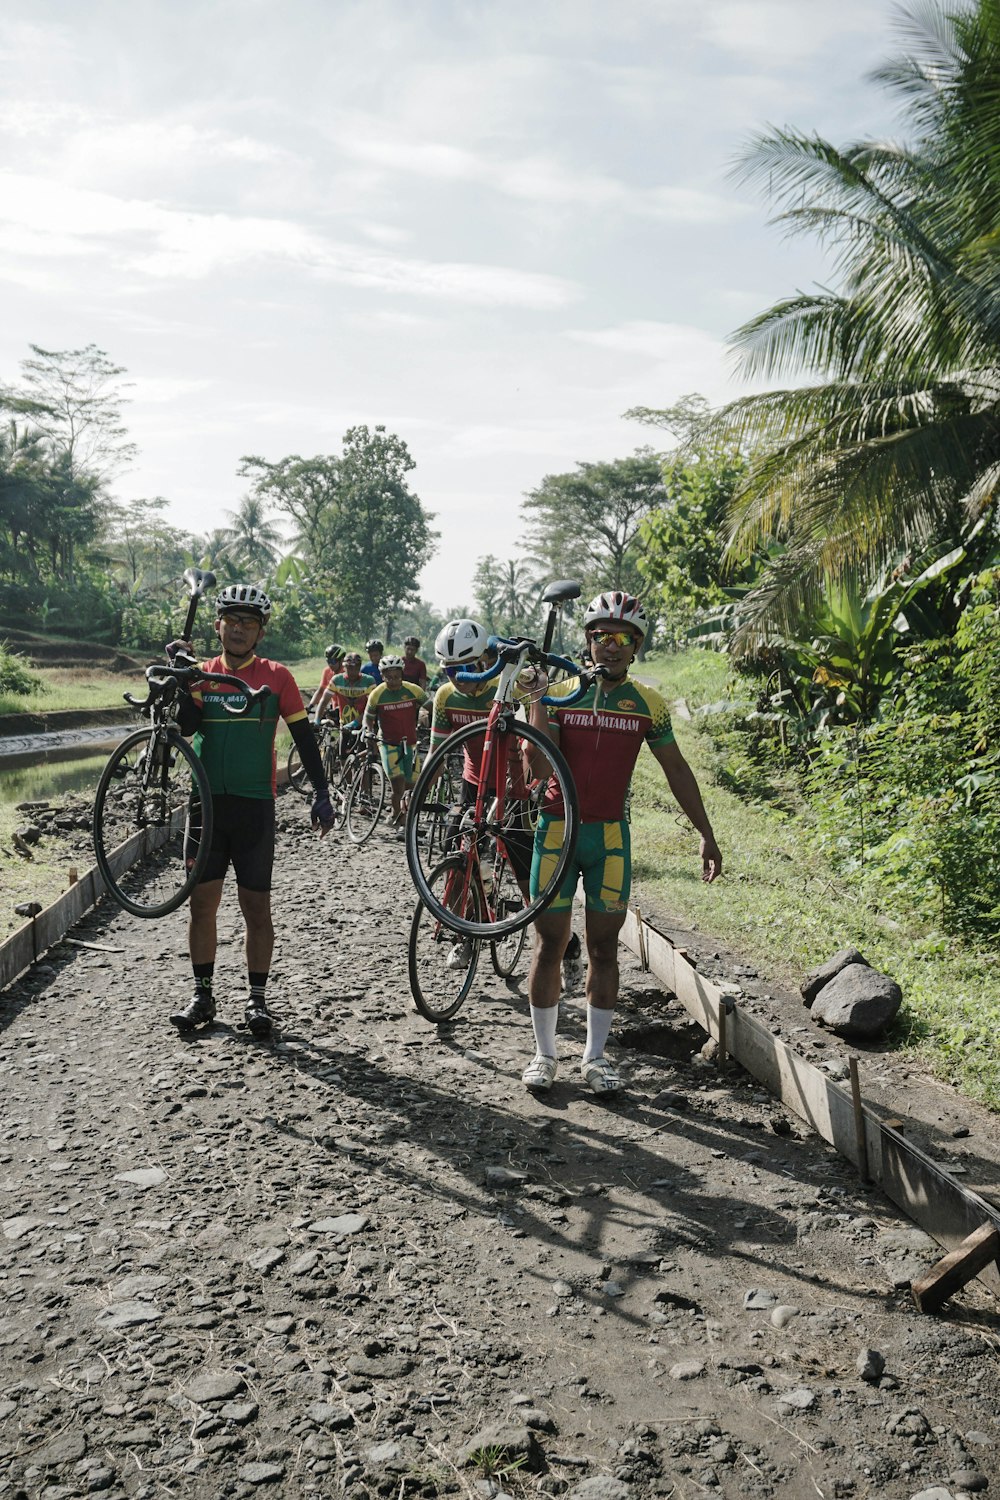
x=15, y=678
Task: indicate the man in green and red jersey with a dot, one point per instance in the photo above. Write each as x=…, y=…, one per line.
x=348, y=693
x=601, y=737
x=238, y=755
x=392, y=710
x=463, y=645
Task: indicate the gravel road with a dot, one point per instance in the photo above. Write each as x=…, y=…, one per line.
x=361, y=1258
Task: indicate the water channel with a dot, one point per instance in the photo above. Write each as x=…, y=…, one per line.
x=45, y=767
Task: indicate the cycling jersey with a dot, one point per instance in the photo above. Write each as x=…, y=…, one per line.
x=414, y=669
x=238, y=753
x=602, y=746
x=350, y=697
x=371, y=670
x=324, y=682
x=394, y=710
x=454, y=708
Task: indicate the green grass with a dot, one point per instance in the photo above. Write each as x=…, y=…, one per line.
x=71, y=687
x=781, y=903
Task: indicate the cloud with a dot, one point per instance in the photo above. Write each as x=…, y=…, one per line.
x=536, y=179
x=167, y=243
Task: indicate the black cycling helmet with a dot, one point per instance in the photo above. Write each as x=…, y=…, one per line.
x=335, y=653
x=374, y=646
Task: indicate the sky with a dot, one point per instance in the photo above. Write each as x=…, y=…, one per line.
x=492, y=226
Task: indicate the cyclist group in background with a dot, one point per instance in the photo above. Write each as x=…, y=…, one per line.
x=600, y=736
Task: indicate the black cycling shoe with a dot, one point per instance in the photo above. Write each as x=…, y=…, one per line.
x=258, y=1018
x=199, y=1011
x=573, y=949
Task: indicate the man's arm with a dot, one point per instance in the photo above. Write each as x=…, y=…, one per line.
x=681, y=780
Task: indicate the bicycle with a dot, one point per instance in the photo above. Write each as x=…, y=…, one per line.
x=441, y=972
x=326, y=740
x=456, y=892
x=153, y=807
x=364, y=789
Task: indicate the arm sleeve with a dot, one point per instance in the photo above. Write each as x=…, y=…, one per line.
x=189, y=713
x=305, y=743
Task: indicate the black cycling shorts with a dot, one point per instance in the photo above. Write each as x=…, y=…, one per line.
x=243, y=835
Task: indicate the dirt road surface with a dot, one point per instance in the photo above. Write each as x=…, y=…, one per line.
x=362, y=1259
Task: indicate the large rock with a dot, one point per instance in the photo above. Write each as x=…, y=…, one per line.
x=858, y=1002
x=816, y=979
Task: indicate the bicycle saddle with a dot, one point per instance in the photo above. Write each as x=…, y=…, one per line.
x=199, y=582
x=562, y=591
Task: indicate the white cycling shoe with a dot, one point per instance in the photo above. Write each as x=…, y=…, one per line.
x=601, y=1075
x=540, y=1073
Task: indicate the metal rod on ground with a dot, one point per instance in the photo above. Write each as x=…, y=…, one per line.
x=859, y=1119
x=643, y=958
x=726, y=1007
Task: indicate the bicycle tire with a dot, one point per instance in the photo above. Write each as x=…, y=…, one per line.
x=505, y=897
x=435, y=814
x=438, y=990
x=171, y=856
x=364, y=803
x=564, y=852
x=297, y=778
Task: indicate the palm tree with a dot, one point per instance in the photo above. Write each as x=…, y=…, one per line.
x=894, y=441
x=251, y=541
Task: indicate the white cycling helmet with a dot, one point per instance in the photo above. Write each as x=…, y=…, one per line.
x=460, y=642
x=388, y=662
x=616, y=608
x=243, y=596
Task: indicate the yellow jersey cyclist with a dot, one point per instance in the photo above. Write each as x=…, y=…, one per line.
x=601, y=737
x=238, y=756
x=335, y=655
x=347, y=692
x=392, y=711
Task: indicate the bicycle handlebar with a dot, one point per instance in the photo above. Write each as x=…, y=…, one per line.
x=162, y=678
x=510, y=650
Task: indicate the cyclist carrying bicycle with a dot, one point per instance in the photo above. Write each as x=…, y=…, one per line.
x=238, y=755
x=600, y=736
x=392, y=711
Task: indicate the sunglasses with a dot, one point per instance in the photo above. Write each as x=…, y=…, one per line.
x=611, y=637
x=245, y=620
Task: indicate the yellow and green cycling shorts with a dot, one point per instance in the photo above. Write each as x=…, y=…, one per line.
x=400, y=760
x=603, y=857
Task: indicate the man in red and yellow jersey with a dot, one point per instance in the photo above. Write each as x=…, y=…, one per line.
x=335, y=656
x=238, y=755
x=601, y=737
x=392, y=710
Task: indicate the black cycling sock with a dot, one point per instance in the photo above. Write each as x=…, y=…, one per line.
x=258, y=984
x=203, y=978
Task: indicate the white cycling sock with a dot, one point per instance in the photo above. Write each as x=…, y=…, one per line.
x=544, y=1020
x=598, y=1026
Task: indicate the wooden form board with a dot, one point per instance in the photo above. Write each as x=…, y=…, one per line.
x=923, y=1190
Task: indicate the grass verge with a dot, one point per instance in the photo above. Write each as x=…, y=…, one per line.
x=783, y=905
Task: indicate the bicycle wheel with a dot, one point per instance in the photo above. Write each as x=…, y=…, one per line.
x=297, y=778
x=442, y=967
x=364, y=800
x=152, y=822
x=505, y=898
x=477, y=838
x=434, y=816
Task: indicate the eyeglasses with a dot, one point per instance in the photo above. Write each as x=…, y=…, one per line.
x=611, y=637
x=246, y=620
